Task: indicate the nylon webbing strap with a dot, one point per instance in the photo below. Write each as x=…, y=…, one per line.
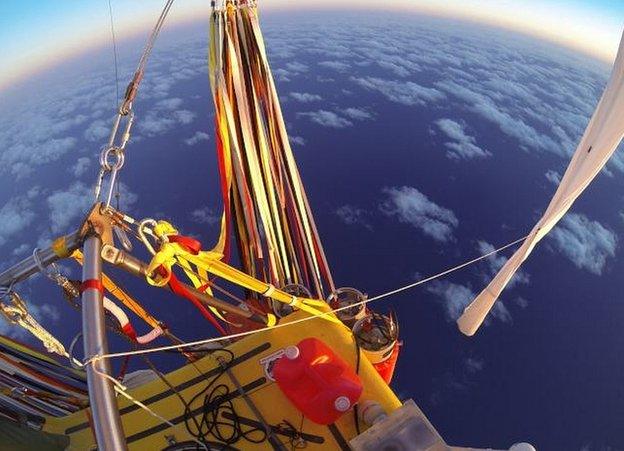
x=262, y=191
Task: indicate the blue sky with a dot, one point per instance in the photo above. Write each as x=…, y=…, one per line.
x=35, y=34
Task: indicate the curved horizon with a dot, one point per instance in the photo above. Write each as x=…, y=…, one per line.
x=556, y=22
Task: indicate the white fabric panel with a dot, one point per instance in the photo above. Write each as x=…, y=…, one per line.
x=600, y=140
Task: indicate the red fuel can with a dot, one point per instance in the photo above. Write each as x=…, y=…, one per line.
x=318, y=382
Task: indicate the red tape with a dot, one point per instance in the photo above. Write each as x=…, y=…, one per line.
x=129, y=331
x=92, y=284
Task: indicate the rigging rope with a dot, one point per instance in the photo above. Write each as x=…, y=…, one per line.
x=308, y=318
x=112, y=27
x=133, y=86
x=121, y=389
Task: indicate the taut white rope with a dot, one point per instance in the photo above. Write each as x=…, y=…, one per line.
x=308, y=318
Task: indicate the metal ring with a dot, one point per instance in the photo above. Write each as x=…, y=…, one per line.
x=5, y=292
x=51, y=272
x=143, y=237
x=106, y=155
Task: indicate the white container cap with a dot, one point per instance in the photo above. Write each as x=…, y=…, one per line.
x=342, y=403
x=291, y=352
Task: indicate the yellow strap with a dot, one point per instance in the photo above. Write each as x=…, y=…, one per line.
x=172, y=253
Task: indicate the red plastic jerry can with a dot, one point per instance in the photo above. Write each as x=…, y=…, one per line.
x=318, y=382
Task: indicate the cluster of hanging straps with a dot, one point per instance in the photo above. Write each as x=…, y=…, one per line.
x=261, y=186
x=263, y=197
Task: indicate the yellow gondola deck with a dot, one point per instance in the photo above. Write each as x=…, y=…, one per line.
x=251, y=367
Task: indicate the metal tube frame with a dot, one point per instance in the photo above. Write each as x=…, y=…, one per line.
x=106, y=420
x=136, y=267
x=28, y=267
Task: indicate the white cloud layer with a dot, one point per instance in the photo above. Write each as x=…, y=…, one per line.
x=305, y=97
x=412, y=207
x=327, y=119
x=205, y=215
x=553, y=177
x=404, y=92
x=586, y=243
x=197, y=138
x=352, y=215
x=462, y=145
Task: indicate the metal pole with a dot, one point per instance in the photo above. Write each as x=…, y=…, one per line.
x=27, y=267
x=138, y=268
x=108, y=431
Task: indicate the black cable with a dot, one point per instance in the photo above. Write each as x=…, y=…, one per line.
x=218, y=417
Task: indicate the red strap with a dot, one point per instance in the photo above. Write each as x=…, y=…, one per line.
x=92, y=284
x=191, y=244
x=180, y=290
x=129, y=331
x=124, y=368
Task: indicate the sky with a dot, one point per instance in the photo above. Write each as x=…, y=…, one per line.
x=35, y=34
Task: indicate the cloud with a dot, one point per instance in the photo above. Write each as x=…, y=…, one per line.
x=97, y=131
x=495, y=263
x=357, y=114
x=336, y=65
x=297, y=140
x=295, y=66
x=588, y=244
x=67, y=206
x=15, y=216
x=412, y=207
x=184, y=116
x=463, y=145
x=197, y=138
x=20, y=250
x=63, y=115
x=305, y=97
x=351, y=215
x=327, y=119
x=205, y=215
x=45, y=314
x=21, y=159
x=171, y=104
x=164, y=116
x=290, y=70
x=403, y=92
x=81, y=166
x=474, y=365
x=553, y=177
x=455, y=298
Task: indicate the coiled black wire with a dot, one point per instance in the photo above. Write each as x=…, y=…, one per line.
x=218, y=417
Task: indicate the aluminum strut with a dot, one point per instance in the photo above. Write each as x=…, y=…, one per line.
x=107, y=423
x=28, y=267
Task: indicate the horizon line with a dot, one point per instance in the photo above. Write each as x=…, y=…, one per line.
x=101, y=39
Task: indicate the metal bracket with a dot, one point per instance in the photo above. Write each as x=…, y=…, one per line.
x=100, y=222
